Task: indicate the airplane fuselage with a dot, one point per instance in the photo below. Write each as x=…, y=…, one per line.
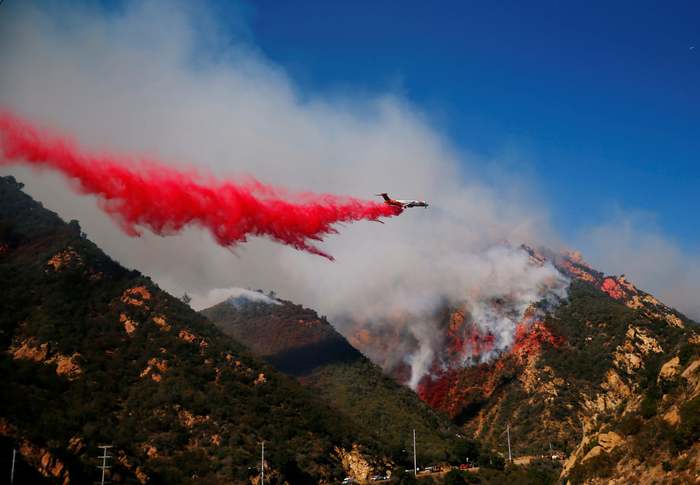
x=412, y=203
x=403, y=204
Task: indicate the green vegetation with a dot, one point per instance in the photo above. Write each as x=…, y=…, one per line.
x=591, y=325
x=541, y=472
x=202, y=414
x=472, y=452
x=388, y=410
x=601, y=466
x=688, y=433
x=341, y=376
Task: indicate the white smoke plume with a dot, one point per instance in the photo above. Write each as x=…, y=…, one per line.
x=163, y=80
x=237, y=297
x=493, y=287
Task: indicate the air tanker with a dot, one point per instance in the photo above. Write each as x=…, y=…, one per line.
x=402, y=204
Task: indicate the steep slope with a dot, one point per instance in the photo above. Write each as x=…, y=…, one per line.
x=611, y=378
x=96, y=354
x=300, y=343
x=293, y=339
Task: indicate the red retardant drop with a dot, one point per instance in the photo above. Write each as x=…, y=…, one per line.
x=165, y=200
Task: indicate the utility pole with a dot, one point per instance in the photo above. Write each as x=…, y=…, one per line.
x=104, y=458
x=12, y=471
x=510, y=457
x=262, y=467
x=415, y=466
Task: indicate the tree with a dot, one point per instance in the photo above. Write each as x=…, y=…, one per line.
x=402, y=477
x=454, y=477
x=186, y=299
x=464, y=451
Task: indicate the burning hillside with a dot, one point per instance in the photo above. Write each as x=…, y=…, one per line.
x=490, y=318
x=455, y=351
x=608, y=376
x=450, y=388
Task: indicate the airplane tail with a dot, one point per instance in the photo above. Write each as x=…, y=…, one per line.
x=385, y=196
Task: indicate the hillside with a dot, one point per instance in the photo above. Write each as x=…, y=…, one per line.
x=300, y=343
x=93, y=353
x=611, y=378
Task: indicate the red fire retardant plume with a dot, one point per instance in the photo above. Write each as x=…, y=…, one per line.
x=165, y=200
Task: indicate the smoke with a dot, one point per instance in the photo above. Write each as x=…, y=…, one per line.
x=166, y=200
x=158, y=78
x=240, y=297
x=493, y=289
x=632, y=243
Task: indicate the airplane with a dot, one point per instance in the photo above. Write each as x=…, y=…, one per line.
x=403, y=204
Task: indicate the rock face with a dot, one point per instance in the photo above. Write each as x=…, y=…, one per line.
x=66, y=365
x=47, y=464
x=354, y=463
x=63, y=259
x=670, y=369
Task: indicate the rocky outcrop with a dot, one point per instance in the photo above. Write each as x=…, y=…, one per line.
x=76, y=445
x=189, y=420
x=63, y=259
x=640, y=339
x=155, y=369
x=629, y=357
x=44, y=462
x=670, y=369
x=66, y=365
x=692, y=376
x=136, y=296
x=354, y=463
x=674, y=320
x=129, y=324
x=150, y=450
x=609, y=441
x=161, y=322
x=187, y=336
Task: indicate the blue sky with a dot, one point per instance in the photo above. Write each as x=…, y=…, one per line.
x=598, y=101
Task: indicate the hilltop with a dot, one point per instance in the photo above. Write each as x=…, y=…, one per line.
x=298, y=342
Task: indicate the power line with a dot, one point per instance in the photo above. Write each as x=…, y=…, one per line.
x=262, y=465
x=510, y=457
x=415, y=467
x=14, y=450
x=104, y=459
